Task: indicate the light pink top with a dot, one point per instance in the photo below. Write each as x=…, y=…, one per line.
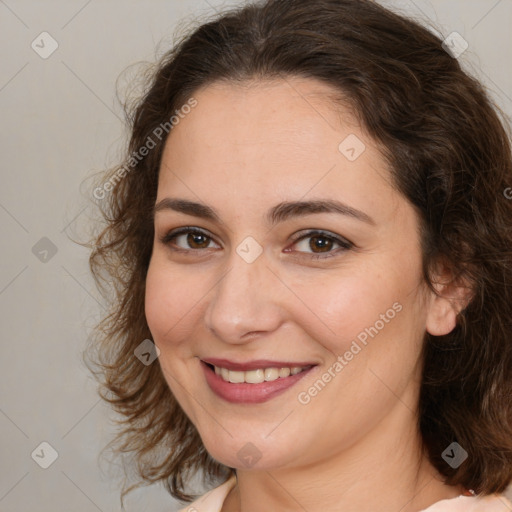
x=213, y=500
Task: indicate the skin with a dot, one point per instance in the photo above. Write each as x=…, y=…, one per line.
x=355, y=446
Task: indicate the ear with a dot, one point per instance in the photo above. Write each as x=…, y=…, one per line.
x=451, y=297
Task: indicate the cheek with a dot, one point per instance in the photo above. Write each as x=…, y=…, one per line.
x=170, y=303
x=374, y=323
x=373, y=303
x=343, y=307
x=170, y=308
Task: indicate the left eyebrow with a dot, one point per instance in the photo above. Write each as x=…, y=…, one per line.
x=286, y=210
x=276, y=214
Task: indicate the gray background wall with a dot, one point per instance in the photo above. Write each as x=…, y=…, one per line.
x=60, y=123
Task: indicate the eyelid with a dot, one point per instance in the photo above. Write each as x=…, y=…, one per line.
x=322, y=232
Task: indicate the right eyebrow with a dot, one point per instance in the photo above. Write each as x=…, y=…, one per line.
x=187, y=207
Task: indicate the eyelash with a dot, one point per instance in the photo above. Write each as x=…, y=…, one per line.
x=345, y=245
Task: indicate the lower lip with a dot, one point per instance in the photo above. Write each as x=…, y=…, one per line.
x=245, y=393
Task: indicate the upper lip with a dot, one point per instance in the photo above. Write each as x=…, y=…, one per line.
x=255, y=364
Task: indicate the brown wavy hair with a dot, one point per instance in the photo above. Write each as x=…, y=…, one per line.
x=448, y=146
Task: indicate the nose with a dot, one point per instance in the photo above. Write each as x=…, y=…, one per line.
x=246, y=300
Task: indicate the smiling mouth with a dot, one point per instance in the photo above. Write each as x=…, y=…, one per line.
x=258, y=375
x=256, y=383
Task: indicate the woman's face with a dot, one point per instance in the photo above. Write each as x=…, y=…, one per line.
x=269, y=281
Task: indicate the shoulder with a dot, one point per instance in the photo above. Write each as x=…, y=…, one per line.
x=490, y=503
x=212, y=500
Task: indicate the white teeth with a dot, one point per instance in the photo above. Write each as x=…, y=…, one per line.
x=284, y=372
x=236, y=377
x=224, y=374
x=254, y=376
x=257, y=376
x=271, y=374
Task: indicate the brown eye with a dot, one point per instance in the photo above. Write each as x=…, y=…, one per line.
x=322, y=243
x=187, y=239
x=197, y=240
x=319, y=245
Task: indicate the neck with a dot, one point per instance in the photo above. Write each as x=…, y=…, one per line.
x=384, y=471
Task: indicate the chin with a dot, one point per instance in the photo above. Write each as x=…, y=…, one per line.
x=246, y=454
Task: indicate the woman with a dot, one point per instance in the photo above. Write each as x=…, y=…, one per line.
x=310, y=225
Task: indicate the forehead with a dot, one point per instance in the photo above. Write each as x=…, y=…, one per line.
x=282, y=138
x=291, y=111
